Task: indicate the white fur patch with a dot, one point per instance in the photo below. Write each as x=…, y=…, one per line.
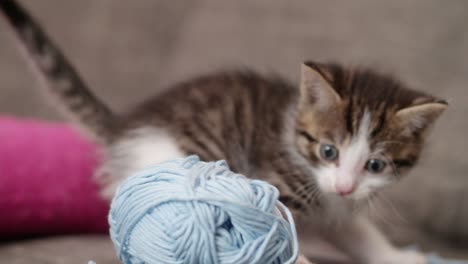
x=326, y=178
x=149, y=146
x=353, y=157
x=350, y=172
x=141, y=148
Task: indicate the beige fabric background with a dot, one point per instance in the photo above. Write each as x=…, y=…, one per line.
x=128, y=50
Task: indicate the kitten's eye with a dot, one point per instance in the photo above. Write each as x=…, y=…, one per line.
x=328, y=152
x=375, y=165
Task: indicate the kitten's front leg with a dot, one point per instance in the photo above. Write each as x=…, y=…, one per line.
x=361, y=240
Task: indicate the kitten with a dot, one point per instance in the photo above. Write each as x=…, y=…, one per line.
x=332, y=141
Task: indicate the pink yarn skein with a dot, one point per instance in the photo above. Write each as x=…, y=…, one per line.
x=46, y=184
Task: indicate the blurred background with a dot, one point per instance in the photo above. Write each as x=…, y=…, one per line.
x=129, y=50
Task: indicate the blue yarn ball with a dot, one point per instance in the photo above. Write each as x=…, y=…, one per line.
x=189, y=211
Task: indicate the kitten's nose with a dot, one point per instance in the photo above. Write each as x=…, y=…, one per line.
x=344, y=190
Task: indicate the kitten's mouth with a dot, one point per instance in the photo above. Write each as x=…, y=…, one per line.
x=339, y=197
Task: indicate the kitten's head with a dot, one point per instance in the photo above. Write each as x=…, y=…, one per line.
x=360, y=130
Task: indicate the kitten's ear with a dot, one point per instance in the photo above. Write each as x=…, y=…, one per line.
x=316, y=90
x=419, y=117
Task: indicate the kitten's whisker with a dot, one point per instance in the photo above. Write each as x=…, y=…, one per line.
x=374, y=211
x=393, y=208
x=372, y=208
x=314, y=195
x=303, y=189
x=378, y=152
x=392, y=142
x=392, y=165
x=380, y=217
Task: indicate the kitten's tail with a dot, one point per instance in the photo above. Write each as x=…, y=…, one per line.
x=56, y=72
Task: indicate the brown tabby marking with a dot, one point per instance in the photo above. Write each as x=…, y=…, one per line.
x=361, y=90
x=263, y=126
x=336, y=138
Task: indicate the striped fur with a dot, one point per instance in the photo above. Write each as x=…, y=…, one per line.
x=56, y=72
x=264, y=126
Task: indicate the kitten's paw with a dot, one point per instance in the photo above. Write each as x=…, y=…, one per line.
x=403, y=257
